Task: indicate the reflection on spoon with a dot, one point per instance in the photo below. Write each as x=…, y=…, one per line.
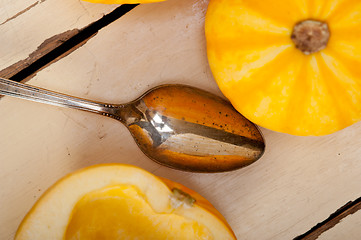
x=190, y=129
x=175, y=125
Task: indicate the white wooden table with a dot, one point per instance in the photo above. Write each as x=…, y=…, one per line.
x=298, y=183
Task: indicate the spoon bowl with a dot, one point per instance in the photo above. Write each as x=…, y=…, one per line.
x=178, y=126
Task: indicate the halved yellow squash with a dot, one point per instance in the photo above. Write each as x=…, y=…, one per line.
x=118, y=201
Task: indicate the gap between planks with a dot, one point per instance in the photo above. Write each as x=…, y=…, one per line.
x=346, y=210
x=59, y=46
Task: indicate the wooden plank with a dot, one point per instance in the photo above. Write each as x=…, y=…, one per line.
x=25, y=25
x=298, y=182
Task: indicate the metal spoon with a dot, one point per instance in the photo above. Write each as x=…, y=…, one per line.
x=179, y=126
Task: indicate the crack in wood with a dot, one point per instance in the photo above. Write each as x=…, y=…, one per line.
x=21, y=12
x=59, y=46
x=45, y=48
x=346, y=210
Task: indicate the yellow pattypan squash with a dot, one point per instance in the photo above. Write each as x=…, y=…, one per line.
x=123, y=1
x=290, y=66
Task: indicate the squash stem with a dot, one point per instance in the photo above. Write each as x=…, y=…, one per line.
x=310, y=36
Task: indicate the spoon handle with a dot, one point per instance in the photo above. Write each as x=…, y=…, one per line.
x=28, y=92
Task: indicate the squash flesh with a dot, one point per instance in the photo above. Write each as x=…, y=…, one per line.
x=270, y=81
x=121, y=212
